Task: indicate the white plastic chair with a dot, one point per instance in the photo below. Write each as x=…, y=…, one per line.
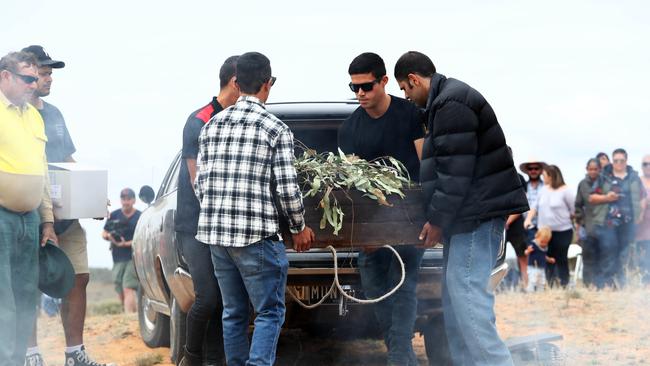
x=575, y=264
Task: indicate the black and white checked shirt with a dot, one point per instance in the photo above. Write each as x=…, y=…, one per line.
x=245, y=151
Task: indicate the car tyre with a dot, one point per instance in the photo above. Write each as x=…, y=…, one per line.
x=177, y=332
x=154, y=326
x=435, y=342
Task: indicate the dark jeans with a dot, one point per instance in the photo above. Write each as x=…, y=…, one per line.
x=590, y=260
x=255, y=274
x=643, y=250
x=204, y=330
x=467, y=303
x=380, y=272
x=616, y=240
x=558, y=248
x=18, y=283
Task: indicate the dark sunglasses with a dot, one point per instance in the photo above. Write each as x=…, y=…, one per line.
x=366, y=87
x=535, y=168
x=646, y=164
x=27, y=79
x=126, y=196
x=617, y=161
x=272, y=80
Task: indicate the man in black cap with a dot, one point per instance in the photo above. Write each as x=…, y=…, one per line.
x=72, y=237
x=119, y=230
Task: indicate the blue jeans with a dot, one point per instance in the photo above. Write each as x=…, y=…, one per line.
x=204, y=332
x=257, y=274
x=615, y=247
x=18, y=283
x=380, y=272
x=467, y=304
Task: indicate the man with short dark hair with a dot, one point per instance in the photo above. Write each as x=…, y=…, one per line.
x=385, y=125
x=204, y=317
x=470, y=186
x=245, y=164
x=72, y=237
x=24, y=204
x=119, y=230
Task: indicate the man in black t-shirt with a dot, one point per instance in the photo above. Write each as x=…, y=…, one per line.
x=119, y=230
x=385, y=125
x=204, y=317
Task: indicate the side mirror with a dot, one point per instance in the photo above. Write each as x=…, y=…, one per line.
x=146, y=194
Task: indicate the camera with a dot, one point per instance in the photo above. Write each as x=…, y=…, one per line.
x=117, y=229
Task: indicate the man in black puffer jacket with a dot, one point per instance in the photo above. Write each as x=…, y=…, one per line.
x=470, y=186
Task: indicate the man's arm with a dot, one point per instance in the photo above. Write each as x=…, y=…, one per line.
x=288, y=191
x=418, y=147
x=47, y=213
x=579, y=206
x=191, y=168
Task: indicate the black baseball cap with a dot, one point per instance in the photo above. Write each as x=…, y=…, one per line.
x=43, y=58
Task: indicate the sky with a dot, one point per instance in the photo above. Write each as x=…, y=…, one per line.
x=566, y=79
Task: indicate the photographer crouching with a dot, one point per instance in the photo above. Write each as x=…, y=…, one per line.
x=119, y=229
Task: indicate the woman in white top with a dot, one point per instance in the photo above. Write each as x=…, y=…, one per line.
x=555, y=208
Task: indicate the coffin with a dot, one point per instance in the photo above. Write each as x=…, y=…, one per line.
x=366, y=223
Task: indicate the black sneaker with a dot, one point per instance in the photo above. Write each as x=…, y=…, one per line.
x=81, y=358
x=35, y=360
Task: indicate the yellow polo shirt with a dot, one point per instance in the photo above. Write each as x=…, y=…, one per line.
x=23, y=164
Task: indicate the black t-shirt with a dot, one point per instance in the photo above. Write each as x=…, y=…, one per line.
x=389, y=135
x=187, y=205
x=126, y=229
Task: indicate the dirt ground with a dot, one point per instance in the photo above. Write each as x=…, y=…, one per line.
x=599, y=328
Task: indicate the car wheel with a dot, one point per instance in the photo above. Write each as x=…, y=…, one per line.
x=435, y=342
x=154, y=326
x=177, y=332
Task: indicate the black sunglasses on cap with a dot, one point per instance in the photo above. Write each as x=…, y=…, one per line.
x=366, y=87
x=27, y=79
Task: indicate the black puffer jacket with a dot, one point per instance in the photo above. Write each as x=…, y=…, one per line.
x=467, y=173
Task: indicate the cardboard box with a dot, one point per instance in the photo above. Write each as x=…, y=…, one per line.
x=78, y=191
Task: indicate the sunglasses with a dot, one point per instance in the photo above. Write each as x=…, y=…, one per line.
x=272, y=80
x=646, y=164
x=619, y=161
x=535, y=168
x=126, y=197
x=366, y=87
x=27, y=79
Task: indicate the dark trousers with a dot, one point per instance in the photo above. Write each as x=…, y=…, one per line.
x=204, y=329
x=18, y=283
x=380, y=272
x=558, y=248
x=616, y=240
x=590, y=258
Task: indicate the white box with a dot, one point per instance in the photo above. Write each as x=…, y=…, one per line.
x=78, y=191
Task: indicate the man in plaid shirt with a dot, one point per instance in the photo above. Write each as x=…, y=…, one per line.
x=245, y=162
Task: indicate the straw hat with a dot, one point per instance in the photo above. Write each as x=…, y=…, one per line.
x=524, y=166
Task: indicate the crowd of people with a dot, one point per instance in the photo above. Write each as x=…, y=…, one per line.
x=609, y=217
x=237, y=180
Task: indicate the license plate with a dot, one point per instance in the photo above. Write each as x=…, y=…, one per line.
x=313, y=293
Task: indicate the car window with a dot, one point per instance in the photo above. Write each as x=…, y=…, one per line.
x=170, y=181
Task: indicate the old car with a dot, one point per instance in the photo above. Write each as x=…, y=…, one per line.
x=166, y=291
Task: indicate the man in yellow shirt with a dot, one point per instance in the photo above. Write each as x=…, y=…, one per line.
x=24, y=204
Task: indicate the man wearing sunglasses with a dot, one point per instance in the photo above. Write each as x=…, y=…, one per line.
x=24, y=204
x=385, y=125
x=72, y=237
x=533, y=168
x=470, y=186
x=244, y=166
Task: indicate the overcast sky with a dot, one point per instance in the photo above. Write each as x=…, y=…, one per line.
x=566, y=78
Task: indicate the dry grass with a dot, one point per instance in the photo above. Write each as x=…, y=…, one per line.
x=149, y=359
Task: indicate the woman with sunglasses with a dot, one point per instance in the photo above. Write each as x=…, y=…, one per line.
x=555, y=208
x=621, y=188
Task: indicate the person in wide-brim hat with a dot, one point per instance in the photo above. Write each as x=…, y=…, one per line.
x=524, y=166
